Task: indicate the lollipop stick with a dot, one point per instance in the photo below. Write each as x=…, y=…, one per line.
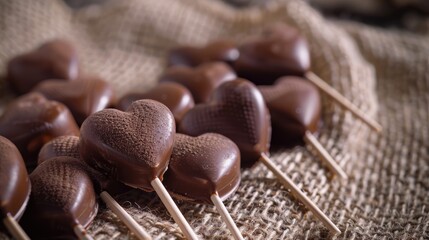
x=324, y=155
x=226, y=217
x=173, y=209
x=81, y=233
x=342, y=101
x=14, y=228
x=287, y=182
x=138, y=231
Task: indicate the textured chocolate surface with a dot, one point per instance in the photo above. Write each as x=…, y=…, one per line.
x=31, y=120
x=84, y=96
x=173, y=95
x=202, y=80
x=237, y=111
x=62, y=196
x=14, y=181
x=295, y=107
x=202, y=166
x=56, y=59
x=221, y=50
x=133, y=147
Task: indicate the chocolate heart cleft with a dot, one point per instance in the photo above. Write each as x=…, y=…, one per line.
x=236, y=110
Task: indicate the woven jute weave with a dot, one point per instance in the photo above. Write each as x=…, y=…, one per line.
x=384, y=72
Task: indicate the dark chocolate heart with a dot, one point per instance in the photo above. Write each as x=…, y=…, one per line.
x=173, y=95
x=55, y=59
x=202, y=166
x=202, y=80
x=133, y=147
x=83, y=97
x=237, y=111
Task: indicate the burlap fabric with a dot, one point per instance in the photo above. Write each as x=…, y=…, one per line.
x=384, y=72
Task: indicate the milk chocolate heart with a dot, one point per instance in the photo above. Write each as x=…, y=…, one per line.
x=295, y=107
x=202, y=80
x=173, y=95
x=55, y=59
x=133, y=146
x=281, y=51
x=31, y=121
x=202, y=166
x=84, y=96
x=237, y=111
x=221, y=50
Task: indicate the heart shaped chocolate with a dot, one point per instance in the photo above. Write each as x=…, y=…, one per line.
x=56, y=59
x=202, y=80
x=14, y=181
x=202, y=166
x=31, y=121
x=295, y=107
x=173, y=95
x=281, y=51
x=221, y=50
x=237, y=111
x=83, y=97
x=133, y=147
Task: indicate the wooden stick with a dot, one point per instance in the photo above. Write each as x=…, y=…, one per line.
x=13, y=227
x=324, y=155
x=135, y=228
x=173, y=209
x=287, y=182
x=226, y=217
x=81, y=233
x=344, y=102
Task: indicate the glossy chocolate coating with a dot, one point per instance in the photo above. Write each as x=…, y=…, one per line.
x=31, y=121
x=202, y=80
x=15, y=184
x=55, y=59
x=237, y=111
x=62, y=196
x=281, y=51
x=295, y=107
x=133, y=147
x=202, y=166
x=218, y=51
x=173, y=95
x=84, y=96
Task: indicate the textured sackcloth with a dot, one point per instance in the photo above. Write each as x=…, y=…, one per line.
x=384, y=72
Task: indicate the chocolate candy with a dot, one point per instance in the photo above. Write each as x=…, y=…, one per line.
x=133, y=147
x=84, y=96
x=31, y=120
x=62, y=197
x=56, y=59
x=202, y=80
x=281, y=51
x=14, y=181
x=173, y=95
x=295, y=107
x=221, y=50
x=202, y=166
x=237, y=111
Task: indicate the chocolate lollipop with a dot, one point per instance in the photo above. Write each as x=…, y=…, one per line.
x=62, y=201
x=282, y=51
x=221, y=50
x=202, y=80
x=31, y=120
x=173, y=95
x=84, y=96
x=56, y=59
x=295, y=109
x=134, y=147
x=69, y=146
x=15, y=187
x=205, y=169
x=237, y=111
